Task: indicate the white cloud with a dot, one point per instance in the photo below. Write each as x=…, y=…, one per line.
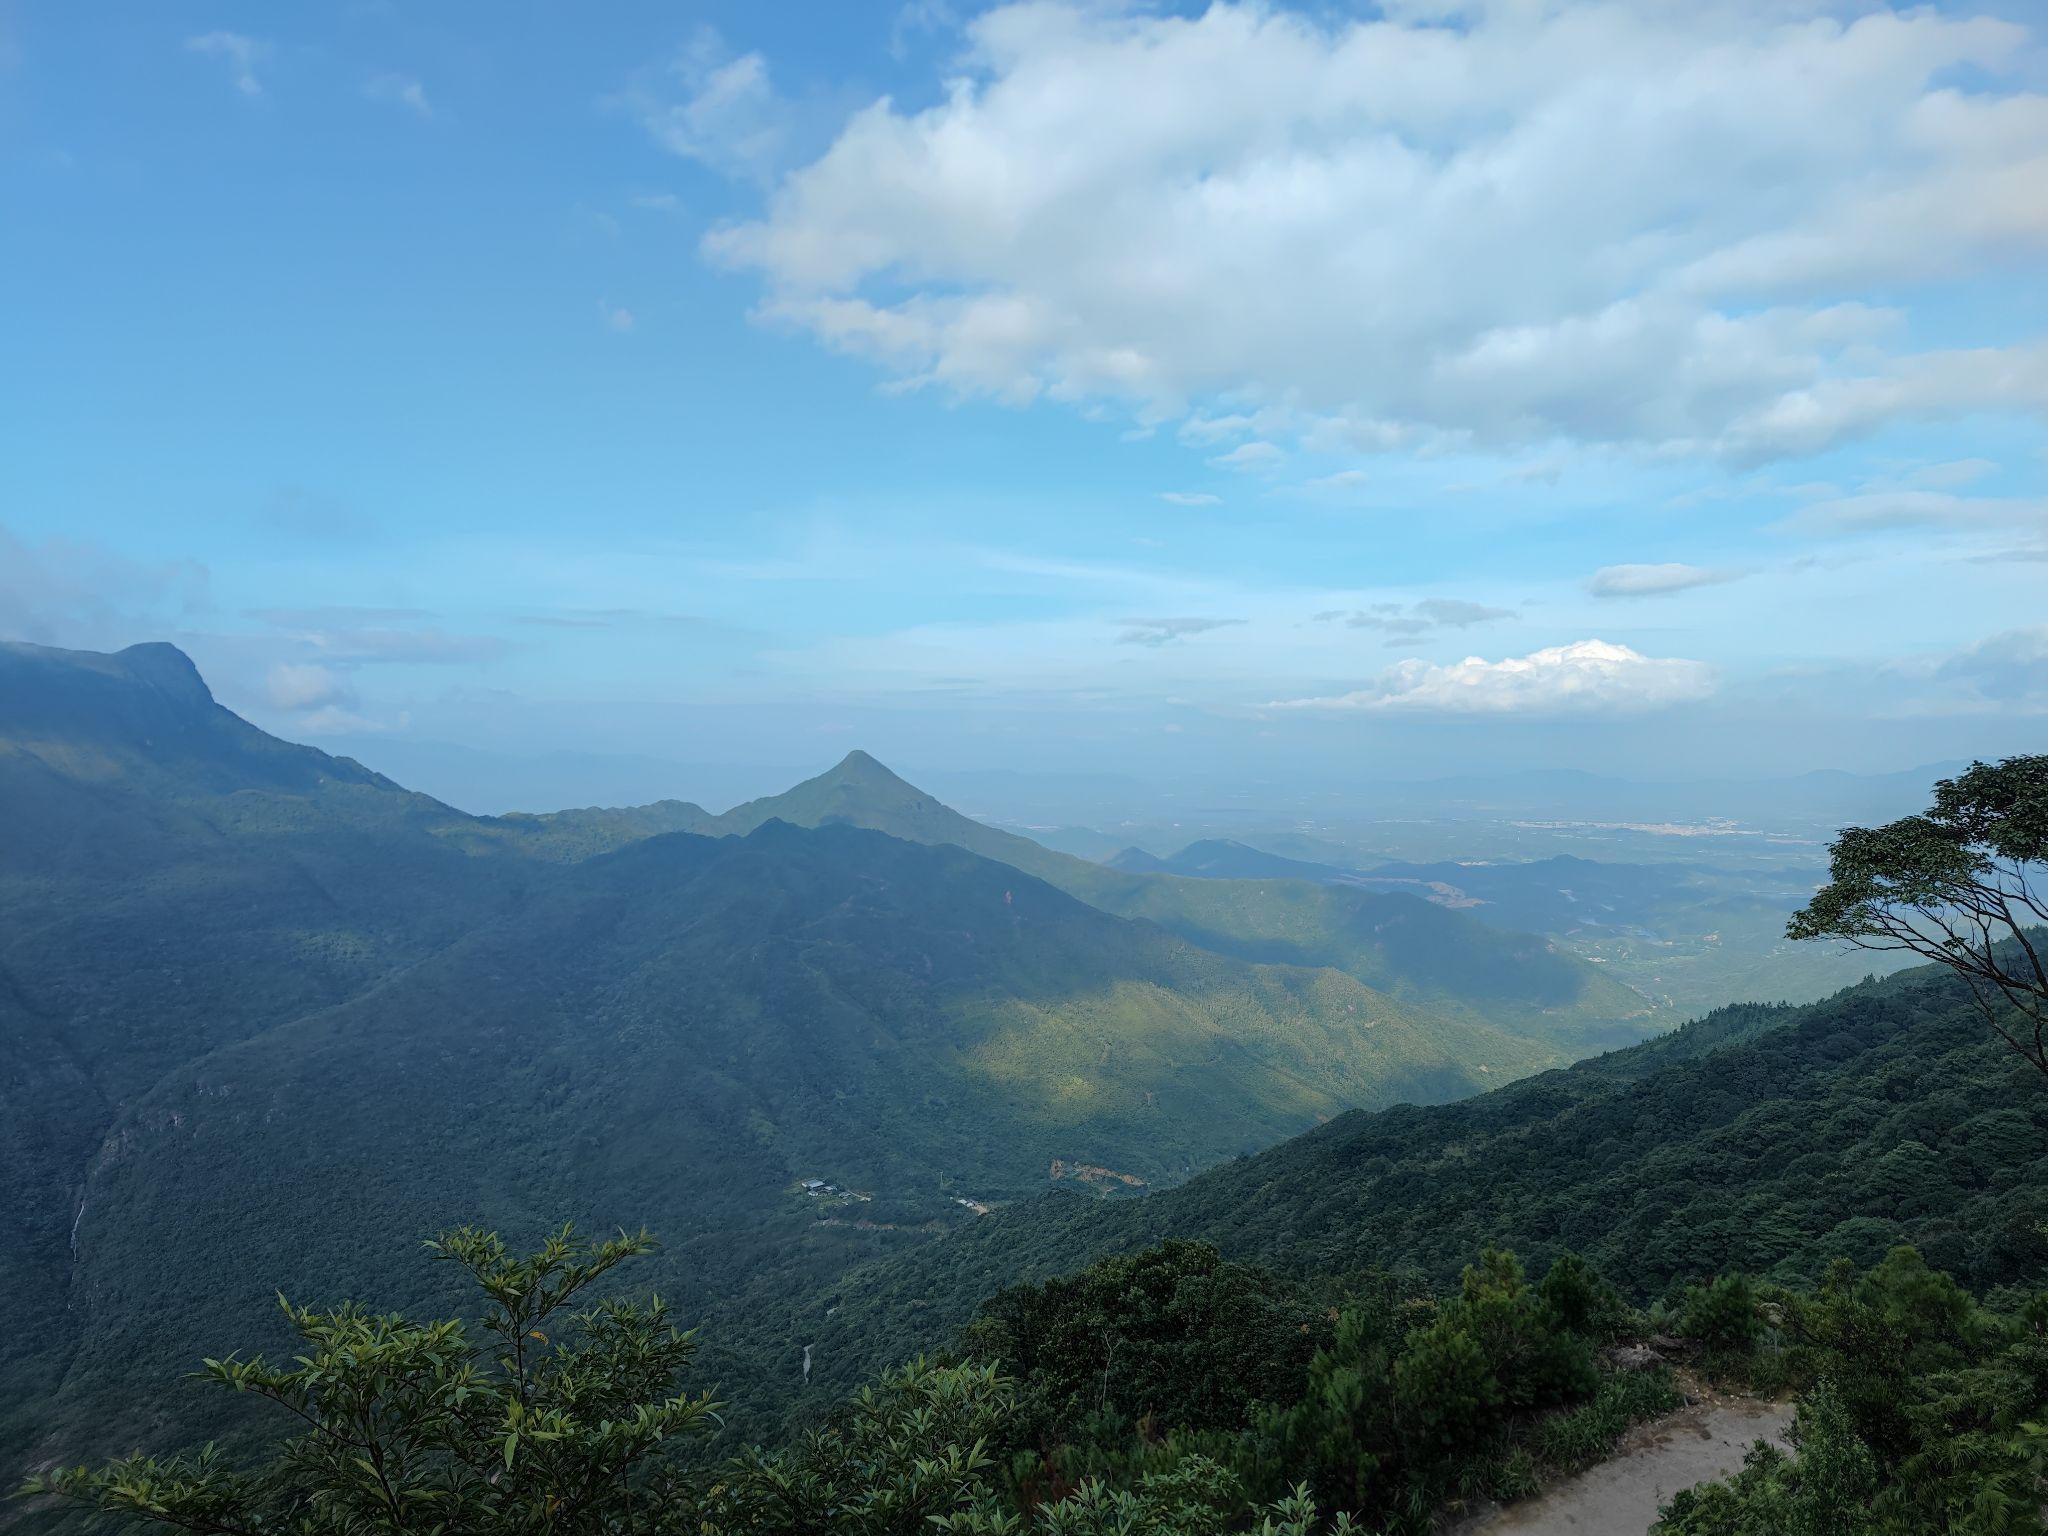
x=400, y=90
x=1461, y=222
x=616, y=317
x=712, y=107
x=1191, y=498
x=1654, y=580
x=241, y=53
x=297, y=686
x=1587, y=676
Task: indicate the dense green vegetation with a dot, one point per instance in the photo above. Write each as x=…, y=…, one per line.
x=1764, y=1139
x=1170, y=1392
x=262, y=1010
x=1920, y=1406
x=241, y=980
x=1166, y=1391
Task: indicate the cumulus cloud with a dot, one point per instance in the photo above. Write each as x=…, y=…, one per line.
x=713, y=107
x=1663, y=226
x=1190, y=498
x=615, y=317
x=240, y=53
x=1402, y=623
x=1654, y=580
x=300, y=686
x=1587, y=676
x=401, y=91
x=1157, y=632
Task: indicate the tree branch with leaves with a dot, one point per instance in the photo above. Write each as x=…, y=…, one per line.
x=1962, y=885
x=407, y=1427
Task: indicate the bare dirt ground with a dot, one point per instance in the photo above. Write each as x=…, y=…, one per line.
x=1620, y=1496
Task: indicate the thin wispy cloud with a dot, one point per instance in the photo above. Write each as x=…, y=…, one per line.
x=401, y=91
x=1657, y=580
x=1882, y=511
x=239, y=52
x=1402, y=622
x=1157, y=632
x=1252, y=458
x=713, y=106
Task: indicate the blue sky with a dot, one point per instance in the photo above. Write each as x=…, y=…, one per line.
x=1260, y=390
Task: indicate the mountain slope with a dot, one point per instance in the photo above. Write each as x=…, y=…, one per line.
x=678, y=1033
x=1396, y=943
x=241, y=980
x=1765, y=1139
x=173, y=880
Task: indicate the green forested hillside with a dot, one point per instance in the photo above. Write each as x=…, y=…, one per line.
x=241, y=980
x=1765, y=1139
x=173, y=881
x=1397, y=943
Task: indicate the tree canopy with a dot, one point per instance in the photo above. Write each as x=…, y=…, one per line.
x=1958, y=885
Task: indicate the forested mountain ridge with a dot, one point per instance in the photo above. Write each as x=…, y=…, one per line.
x=1397, y=943
x=227, y=961
x=172, y=881
x=1764, y=1139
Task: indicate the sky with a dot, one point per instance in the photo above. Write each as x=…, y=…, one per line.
x=1286, y=393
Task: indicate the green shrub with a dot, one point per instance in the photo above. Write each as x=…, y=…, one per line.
x=1721, y=1316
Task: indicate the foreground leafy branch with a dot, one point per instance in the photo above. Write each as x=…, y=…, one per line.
x=418, y=1427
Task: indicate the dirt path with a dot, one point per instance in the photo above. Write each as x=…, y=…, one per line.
x=1620, y=1496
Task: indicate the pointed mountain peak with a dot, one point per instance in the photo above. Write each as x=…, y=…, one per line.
x=861, y=767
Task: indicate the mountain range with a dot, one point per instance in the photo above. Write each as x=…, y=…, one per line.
x=243, y=982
